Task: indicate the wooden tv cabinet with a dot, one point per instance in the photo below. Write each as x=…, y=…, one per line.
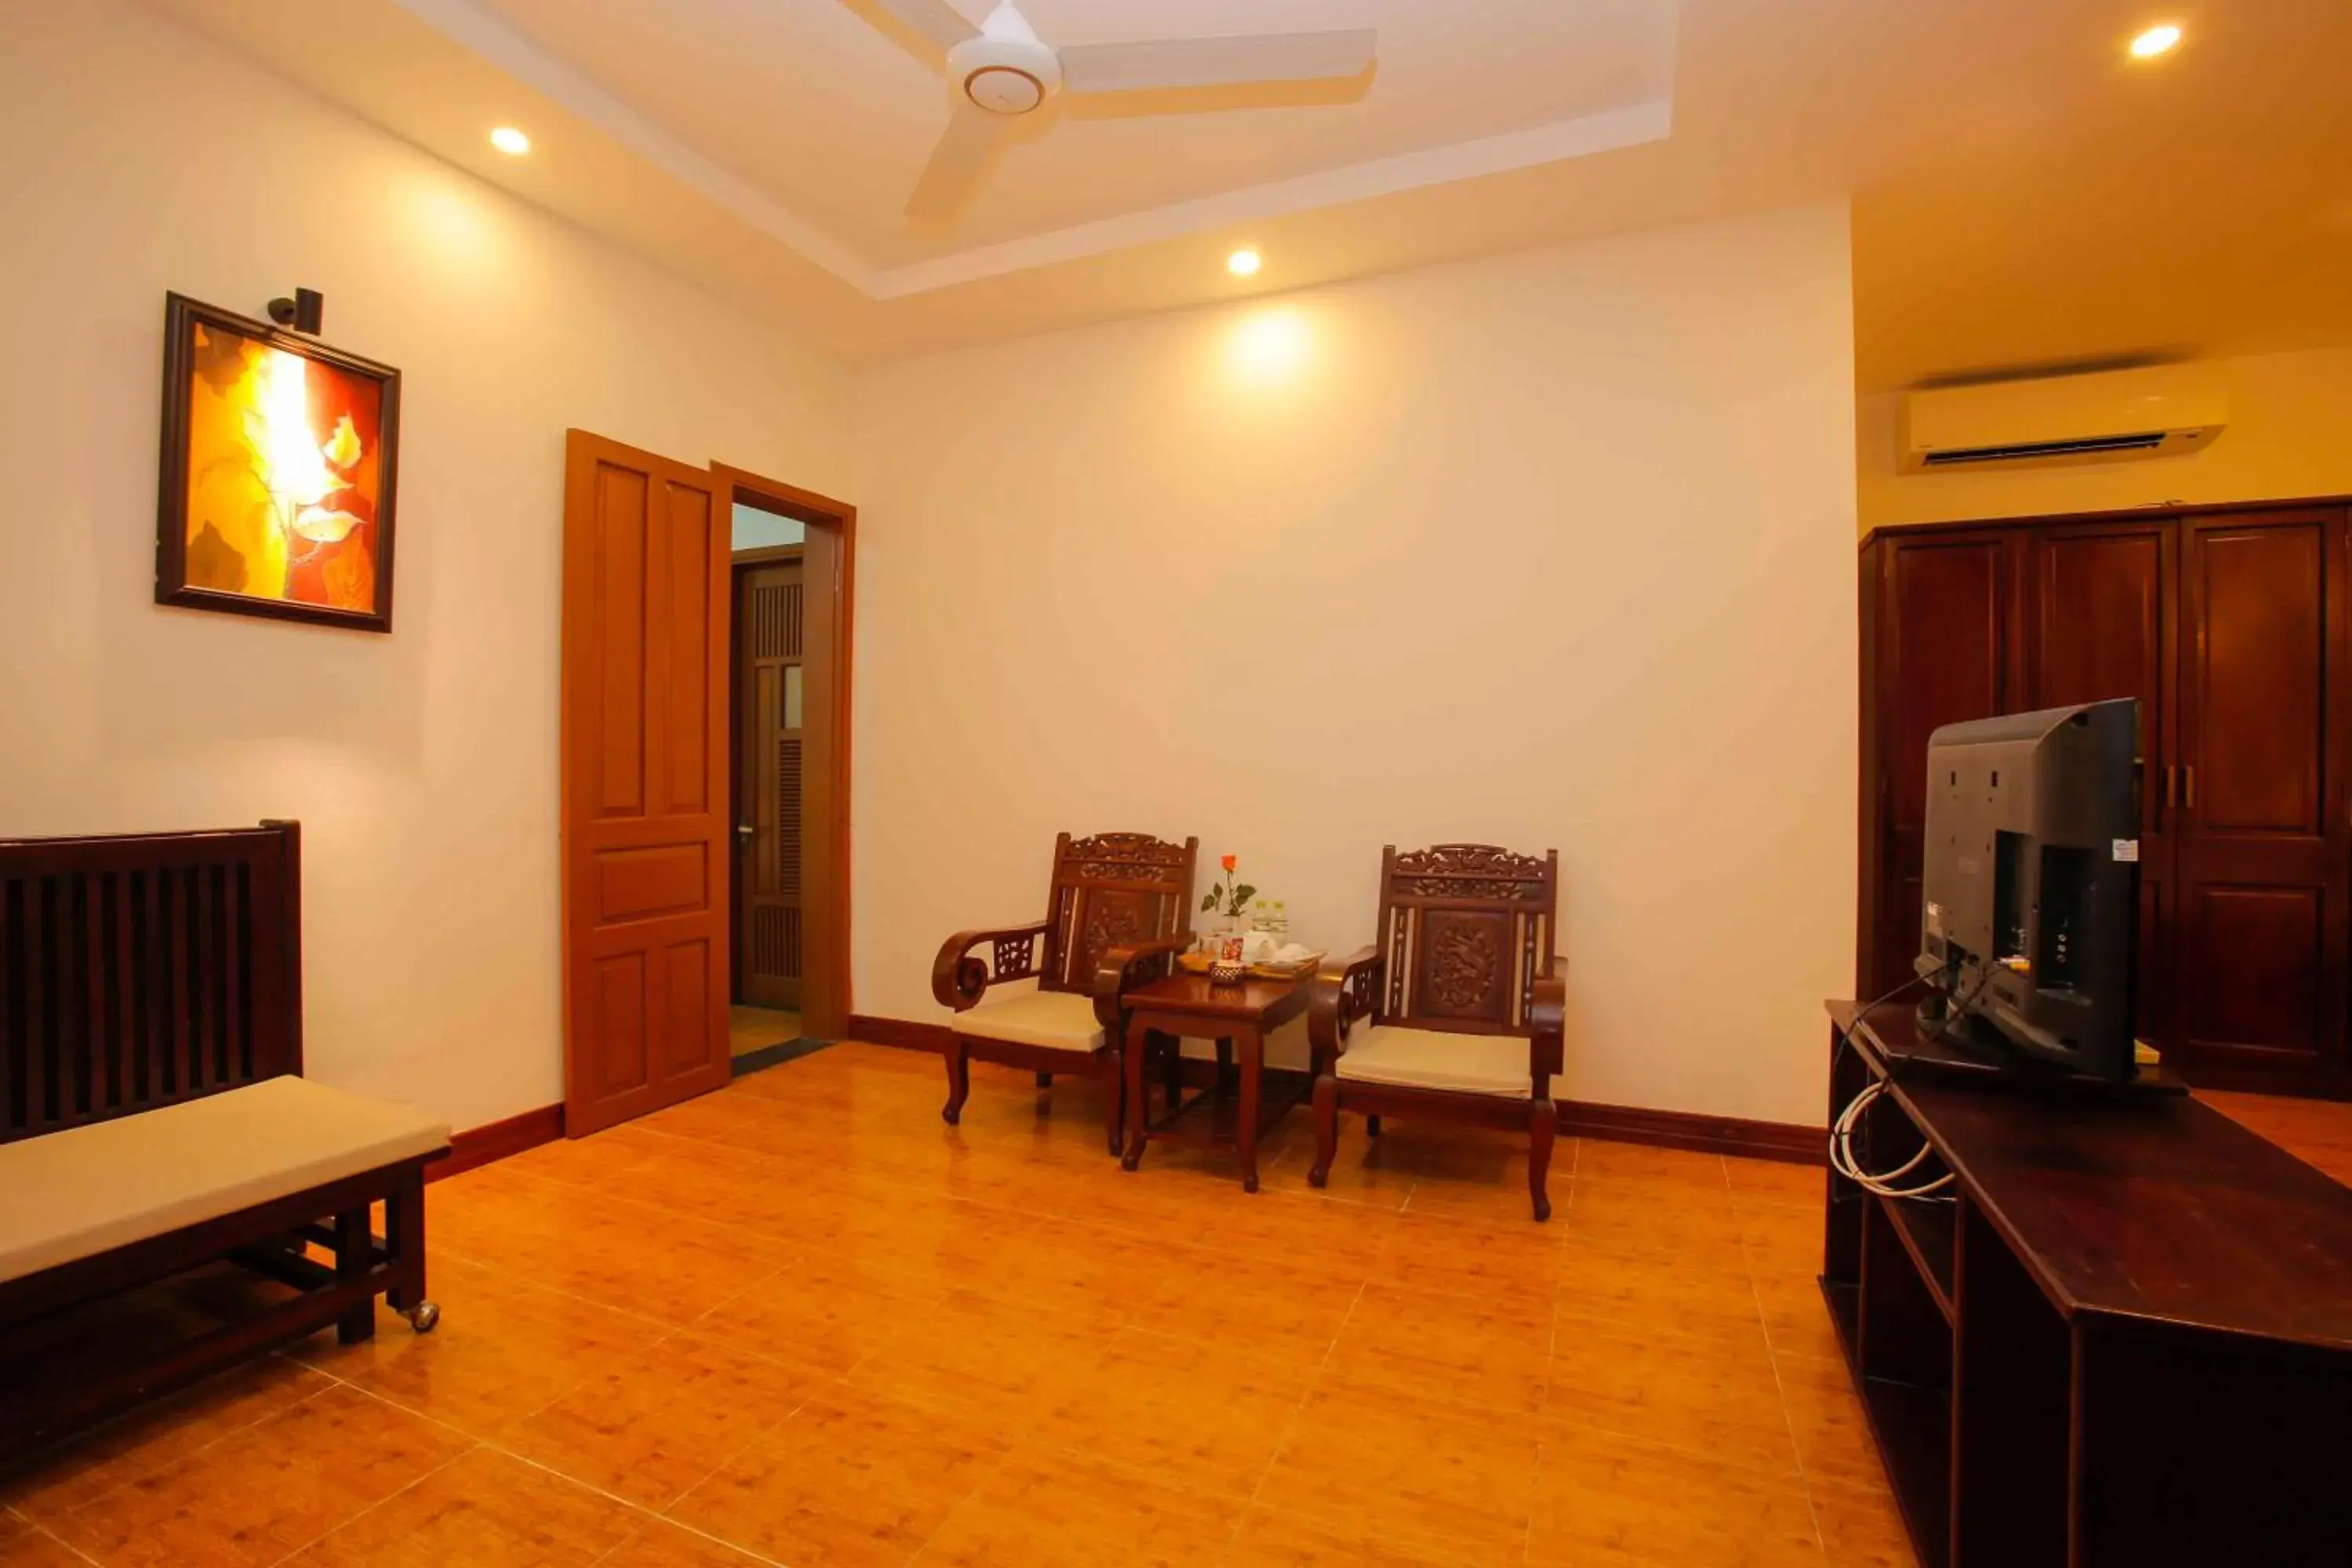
x=2128, y=1341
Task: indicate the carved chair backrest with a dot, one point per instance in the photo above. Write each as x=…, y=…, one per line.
x=1466, y=929
x=1110, y=889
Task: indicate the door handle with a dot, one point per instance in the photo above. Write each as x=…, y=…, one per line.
x=744, y=830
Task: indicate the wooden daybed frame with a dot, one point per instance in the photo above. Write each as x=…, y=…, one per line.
x=144, y=971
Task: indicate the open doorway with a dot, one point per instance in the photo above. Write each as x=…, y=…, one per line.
x=787, y=672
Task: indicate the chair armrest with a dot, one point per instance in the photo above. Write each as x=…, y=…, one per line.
x=1123, y=968
x=1547, y=1005
x=1344, y=992
x=959, y=981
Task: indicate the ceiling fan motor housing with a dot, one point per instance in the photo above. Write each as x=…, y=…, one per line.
x=1005, y=70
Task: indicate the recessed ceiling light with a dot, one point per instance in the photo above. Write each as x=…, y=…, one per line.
x=509, y=141
x=1244, y=263
x=2155, y=41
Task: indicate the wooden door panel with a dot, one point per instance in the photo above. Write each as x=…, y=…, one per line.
x=2103, y=624
x=1950, y=642
x=770, y=674
x=2260, y=673
x=2268, y=941
x=645, y=881
x=2262, y=878
x=1946, y=638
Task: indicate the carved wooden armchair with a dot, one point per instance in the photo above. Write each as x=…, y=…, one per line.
x=1118, y=913
x=1455, y=1011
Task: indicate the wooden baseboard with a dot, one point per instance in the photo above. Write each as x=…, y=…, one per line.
x=478, y=1146
x=904, y=1033
x=1786, y=1142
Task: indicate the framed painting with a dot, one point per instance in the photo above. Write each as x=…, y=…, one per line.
x=277, y=475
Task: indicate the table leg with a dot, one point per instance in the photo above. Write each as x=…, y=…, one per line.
x=1253, y=1055
x=1139, y=1107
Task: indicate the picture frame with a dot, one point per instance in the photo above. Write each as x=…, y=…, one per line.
x=278, y=476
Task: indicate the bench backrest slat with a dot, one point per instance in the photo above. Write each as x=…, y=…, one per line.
x=139, y=970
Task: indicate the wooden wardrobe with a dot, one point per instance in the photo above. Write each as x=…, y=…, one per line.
x=2231, y=627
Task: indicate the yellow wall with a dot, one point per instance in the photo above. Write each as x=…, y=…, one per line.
x=2289, y=435
x=1547, y=549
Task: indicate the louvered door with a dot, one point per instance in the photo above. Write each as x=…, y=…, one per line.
x=772, y=637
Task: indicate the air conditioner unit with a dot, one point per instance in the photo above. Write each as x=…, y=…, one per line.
x=2164, y=411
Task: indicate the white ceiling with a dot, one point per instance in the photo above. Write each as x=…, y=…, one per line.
x=2022, y=193
x=830, y=114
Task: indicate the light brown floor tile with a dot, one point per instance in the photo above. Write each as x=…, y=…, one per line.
x=485, y=1509
x=649, y=1426
x=502, y=1351
x=1825, y=1417
x=154, y=1436
x=972, y=1356
x=1043, y=1509
x=266, y=1491
x=1771, y=1183
x=1693, y=1292
x=850, y=1479
x=1861, y=1528
x=661, y=1544
x=1605, y=1163
x=1486, y=1261
x=1486, y=1354
x=25, y=1545
x=1703, y=1396
x=1283, y=1309
x=1206, y=1418
x=1436, y=1480
x=1601, y=1499
x=1271, y=1540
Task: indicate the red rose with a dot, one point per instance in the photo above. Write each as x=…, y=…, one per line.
x=1229, y=862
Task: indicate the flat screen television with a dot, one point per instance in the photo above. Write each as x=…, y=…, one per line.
x=2031, y=886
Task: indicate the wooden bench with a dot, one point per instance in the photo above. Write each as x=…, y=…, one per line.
x=154, y=1119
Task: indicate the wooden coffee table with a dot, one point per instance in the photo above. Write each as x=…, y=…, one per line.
x=1239, y=1017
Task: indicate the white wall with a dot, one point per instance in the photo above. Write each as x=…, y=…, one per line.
x=2288, y=415
x=141, y=158
x=1554, y=549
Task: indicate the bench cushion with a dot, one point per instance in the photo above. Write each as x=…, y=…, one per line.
x=1425, y=1058
x=76, y=1194
x=1052, y=1020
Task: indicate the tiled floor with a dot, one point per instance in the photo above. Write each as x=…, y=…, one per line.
x=800, y=1322
x=752, y=1028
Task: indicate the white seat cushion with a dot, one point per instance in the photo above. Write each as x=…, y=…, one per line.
x=1423, y=1058
x=76, y=1194
x=1056, y=1020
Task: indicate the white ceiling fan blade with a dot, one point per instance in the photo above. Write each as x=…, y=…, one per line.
x=935, y=19
x=956, y=165
x=1218, y=62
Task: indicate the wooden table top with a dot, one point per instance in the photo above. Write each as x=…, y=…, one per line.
x=1194, y=995
x=2156, y=1206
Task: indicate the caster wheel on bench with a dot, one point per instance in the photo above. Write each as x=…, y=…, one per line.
x=425, y=1317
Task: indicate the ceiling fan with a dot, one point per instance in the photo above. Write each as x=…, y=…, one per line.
x=1001, y=70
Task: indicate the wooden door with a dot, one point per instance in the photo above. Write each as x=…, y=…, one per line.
x=2260, y=881
x=645, y=782
x=2102, y=622
x=770, y=640
x=1945, y=650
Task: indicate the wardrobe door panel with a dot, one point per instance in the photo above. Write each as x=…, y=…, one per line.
x=2103, y=624
x=2261, y=845
x=1947, y=651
